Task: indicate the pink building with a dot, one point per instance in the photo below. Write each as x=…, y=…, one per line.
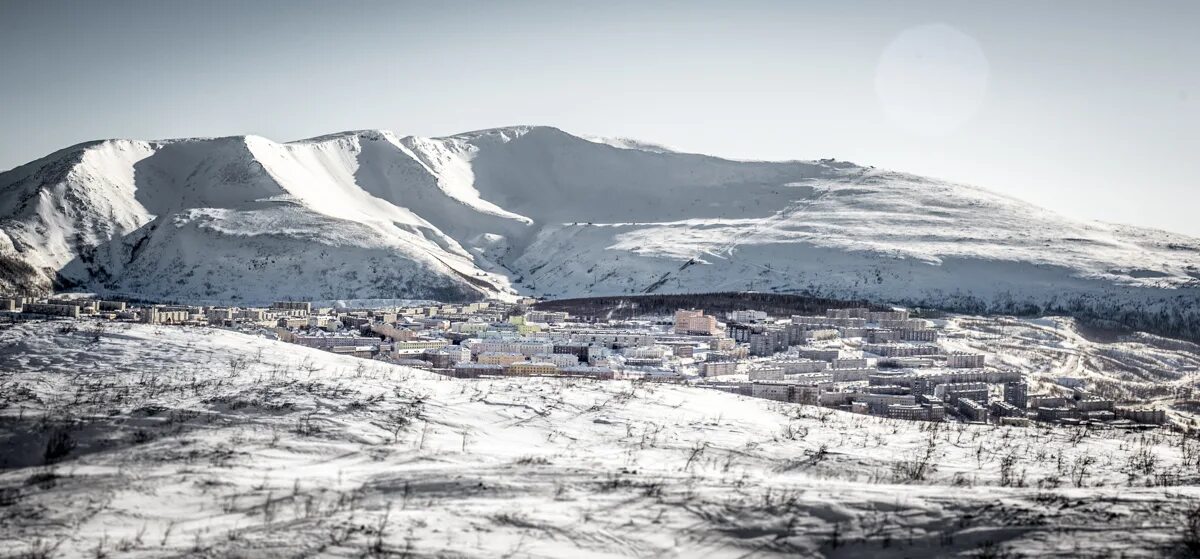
x=694, y=322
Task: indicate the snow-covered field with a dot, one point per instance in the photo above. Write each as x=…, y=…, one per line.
x=184, y=442
x=537, y=211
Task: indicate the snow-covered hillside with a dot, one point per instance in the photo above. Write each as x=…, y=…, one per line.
x=537, y=211
x=132, y=440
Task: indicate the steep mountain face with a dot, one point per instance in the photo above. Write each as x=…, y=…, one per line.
x=535, y=210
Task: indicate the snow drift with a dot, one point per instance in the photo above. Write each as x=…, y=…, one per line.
x=130, y=440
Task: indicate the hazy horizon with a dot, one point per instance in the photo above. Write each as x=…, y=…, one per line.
x=1086, y=108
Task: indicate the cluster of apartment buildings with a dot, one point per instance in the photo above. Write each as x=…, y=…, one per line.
x=890, y=364
x=34, y=308
x=878, y=362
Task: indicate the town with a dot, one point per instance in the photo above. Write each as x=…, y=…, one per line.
x=876, y=362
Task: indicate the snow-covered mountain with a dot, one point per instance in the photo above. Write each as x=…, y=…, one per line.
x=535, y=210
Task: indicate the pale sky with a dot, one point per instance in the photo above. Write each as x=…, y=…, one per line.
x=1089, y=108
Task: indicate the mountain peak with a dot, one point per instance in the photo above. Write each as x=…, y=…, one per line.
x=630, y=143
x=374, y=135
x=507, y=133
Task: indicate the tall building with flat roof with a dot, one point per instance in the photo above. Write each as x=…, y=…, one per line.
x=695, y=322
x=1017, y=394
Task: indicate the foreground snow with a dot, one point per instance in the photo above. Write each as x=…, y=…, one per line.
x=206, y=442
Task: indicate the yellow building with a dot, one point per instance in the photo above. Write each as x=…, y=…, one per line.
x=526, y=369
x=528, y=328
x=411, y=345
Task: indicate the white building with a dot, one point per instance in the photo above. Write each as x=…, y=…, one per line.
x=795, y=366
x=560, y=360
x=715, y=368
x=963, y=360
x=469, y=327
x=510, y=345
x=850, y=363
x=748, y=316
x=766, y=373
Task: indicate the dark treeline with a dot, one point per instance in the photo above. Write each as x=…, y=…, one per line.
x=717, y=304
x=1099, y=317
x=19, y=277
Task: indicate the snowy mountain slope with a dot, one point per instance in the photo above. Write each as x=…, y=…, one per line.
x=559, y=215
x=193, y=442
x=228, y=219
x=69, y=202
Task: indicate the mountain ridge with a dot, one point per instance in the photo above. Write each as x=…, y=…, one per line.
x=535, y=210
